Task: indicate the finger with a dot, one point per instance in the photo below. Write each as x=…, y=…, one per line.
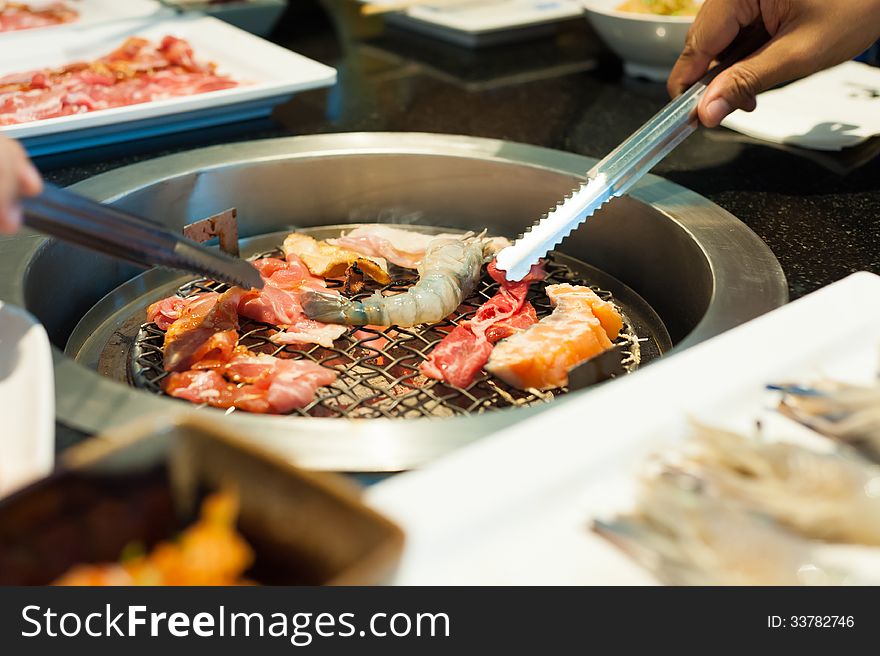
x=9, y=220
x=715, y=27
x=30, y=183
x=29, y=179
x=783, y=59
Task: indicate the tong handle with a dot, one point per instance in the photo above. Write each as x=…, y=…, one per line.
x=627, y=163
x=82, y=221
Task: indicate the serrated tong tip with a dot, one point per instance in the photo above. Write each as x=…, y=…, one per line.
x=556, y=225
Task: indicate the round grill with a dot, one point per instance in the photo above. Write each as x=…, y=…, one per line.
x=378, y=369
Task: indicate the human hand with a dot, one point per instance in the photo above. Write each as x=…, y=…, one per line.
x=807, y=36
x=18, y=177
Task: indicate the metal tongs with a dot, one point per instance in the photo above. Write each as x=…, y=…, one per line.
x=624, y=166
x=84, y=222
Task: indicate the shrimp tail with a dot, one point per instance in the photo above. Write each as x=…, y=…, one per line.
x=331, y=308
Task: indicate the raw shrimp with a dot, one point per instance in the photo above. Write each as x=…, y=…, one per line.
x=447, y=275
x=685, y=537
x=847, y=413
x=827, y=496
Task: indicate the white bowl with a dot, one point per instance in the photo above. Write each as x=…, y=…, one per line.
x=649, y=44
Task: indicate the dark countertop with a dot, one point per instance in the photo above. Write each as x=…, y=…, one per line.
x=820, y=214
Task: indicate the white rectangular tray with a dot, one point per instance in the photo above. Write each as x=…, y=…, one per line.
x=515, y=507
x=269, y=75
x=92, y=12
x=484, y=22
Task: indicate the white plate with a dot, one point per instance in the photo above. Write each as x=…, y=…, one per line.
x=514, y=508
x=92, y=12
x=27, y=400
x=473, y=19
x=267, y=73
x=490, y=15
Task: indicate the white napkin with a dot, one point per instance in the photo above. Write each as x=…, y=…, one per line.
x=27, y=400
x=830, y=110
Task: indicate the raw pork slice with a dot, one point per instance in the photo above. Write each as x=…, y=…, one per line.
x=278, y=303
x=165, y=312
x=404, y=248
x=272, y=385
x=205, y=330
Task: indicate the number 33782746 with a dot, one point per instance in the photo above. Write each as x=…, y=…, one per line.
x=811, y=621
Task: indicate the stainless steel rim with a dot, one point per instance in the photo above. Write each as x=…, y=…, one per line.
x=748, y=282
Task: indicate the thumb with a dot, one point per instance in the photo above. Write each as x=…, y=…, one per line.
x=780, y=60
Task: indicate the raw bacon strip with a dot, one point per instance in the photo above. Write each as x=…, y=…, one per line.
x=464, y=351
x=137, y=72
x=581, y=326
x=273, y=385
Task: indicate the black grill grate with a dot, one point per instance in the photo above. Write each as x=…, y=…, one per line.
x=378, y=369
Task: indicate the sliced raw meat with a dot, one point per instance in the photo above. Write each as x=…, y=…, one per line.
x=247, y=367
x=271, y=305
x=273, y=385
x=293, y=383
x=209, y=386
x=205, y=330
x=269, y=265
x=191, y=322
x=165, y=312
x=404, y=248
x=22, y=16
x=460, y=356
x=519, y=320
x=278, y=303
x=137, y=72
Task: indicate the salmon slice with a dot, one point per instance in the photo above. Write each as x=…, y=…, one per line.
x=581, y=326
